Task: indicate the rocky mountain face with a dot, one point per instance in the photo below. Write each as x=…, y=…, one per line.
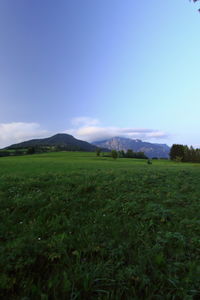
x=149, y=149
x=67, y=141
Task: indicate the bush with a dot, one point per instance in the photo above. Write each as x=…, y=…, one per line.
x=114, y=154
x=4, y=153
x=31, y=150
x=98, y=151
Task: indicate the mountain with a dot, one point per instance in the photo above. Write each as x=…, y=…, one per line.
x=149, y=149
x=62, y=140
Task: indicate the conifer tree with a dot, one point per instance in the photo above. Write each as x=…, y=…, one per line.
x=177, y=151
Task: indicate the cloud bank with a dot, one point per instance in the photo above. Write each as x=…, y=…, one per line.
x=16, y=132
x=86, y=130
x=83, y=128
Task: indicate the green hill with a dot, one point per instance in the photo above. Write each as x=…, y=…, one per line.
x=60, y=140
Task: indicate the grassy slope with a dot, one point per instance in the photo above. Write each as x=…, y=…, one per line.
x=74, y=226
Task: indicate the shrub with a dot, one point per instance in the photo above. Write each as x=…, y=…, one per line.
x=98, y=151
x=114, y=154
x=31, y=150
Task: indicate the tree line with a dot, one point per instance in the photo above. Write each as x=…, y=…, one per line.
x=38, y=149
x=184, y=153
x=122, y=154
x=131, y=154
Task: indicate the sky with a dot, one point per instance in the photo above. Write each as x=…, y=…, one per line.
x=100, y=68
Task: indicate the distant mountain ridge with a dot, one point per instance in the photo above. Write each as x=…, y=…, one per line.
x=64, y=140
x=121, y=143
x=68, y=142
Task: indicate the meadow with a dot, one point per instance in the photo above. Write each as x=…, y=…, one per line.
x=76, y=226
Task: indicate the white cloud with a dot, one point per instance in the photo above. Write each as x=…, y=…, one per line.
x=16, y=132
x=89, y=132
x=84, y=121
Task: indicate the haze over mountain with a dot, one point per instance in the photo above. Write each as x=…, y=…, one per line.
x=68, y=142
x=61, y=139
x=150, y=149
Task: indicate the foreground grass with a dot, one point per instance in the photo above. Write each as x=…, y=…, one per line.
x=74, y=226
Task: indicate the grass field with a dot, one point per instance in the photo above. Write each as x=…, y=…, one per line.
x=77, y=226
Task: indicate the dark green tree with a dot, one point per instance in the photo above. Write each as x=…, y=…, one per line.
x=149, y=162
x=114, y=154
x=98, y=151
x=187, y=156
x=4, y=153
x=140, y=155
x=18, y=152
x=192, y=154
x=177, y=152
x=31, y=150
x=129, y=153
x=121, y=154
x=198, y=155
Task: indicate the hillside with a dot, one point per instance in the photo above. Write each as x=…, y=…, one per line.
x=62, y=140
x=150, y=149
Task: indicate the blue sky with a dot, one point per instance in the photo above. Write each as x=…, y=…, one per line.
x=97, y=68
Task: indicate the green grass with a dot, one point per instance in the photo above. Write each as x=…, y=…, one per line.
x=75, y=226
